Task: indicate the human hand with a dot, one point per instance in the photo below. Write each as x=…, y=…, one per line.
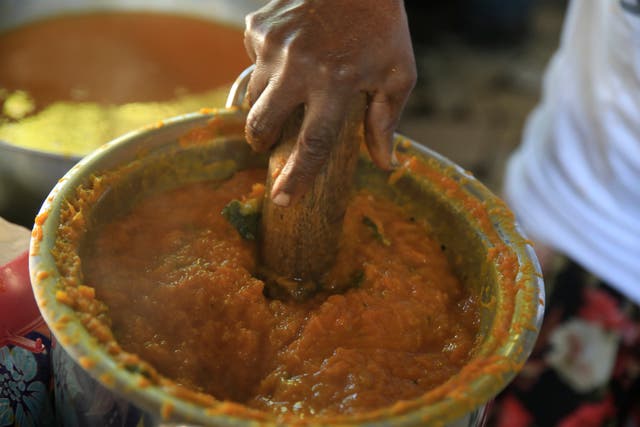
x=320, y=54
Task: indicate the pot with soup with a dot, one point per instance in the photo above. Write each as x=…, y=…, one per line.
x=74, y=75
x=145, y=264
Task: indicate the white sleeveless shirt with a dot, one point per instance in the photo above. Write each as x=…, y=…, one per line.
x=574, y=183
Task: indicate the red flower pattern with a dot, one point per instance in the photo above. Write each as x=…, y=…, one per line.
x=540, y=396
x=590, y=414
x=513, y=413
x=601, y=308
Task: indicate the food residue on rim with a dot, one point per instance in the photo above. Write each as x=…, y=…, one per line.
x=495, y=365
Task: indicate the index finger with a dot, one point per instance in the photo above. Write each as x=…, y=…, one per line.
x=323, y=120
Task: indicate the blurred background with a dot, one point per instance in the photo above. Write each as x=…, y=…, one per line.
x=480, y=68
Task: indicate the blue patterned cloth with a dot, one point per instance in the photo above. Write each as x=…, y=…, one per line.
x=25, y=395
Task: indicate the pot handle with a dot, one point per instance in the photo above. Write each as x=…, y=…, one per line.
x=34, y=346
x=238, y=92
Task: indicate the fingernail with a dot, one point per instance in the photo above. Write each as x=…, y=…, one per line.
x=282, y=199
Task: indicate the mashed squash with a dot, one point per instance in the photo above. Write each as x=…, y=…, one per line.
x=181, y=287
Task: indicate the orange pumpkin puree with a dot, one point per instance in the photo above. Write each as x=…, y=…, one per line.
x=179, y=282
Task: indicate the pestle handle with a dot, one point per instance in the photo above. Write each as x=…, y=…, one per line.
x=299, y=242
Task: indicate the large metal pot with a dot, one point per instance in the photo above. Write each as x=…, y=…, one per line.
x=490, y=255
x=27, y=175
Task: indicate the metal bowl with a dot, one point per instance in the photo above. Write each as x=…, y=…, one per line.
x=465, y=215
x=27, y=175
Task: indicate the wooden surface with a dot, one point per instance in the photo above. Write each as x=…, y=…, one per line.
x=299, y=242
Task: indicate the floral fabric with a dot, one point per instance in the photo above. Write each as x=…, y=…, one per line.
x=585, y=368
x=25, y=397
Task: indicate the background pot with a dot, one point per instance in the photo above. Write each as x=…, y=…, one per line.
x=27, y=175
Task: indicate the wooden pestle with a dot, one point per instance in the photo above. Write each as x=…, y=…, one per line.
x=299, y=242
